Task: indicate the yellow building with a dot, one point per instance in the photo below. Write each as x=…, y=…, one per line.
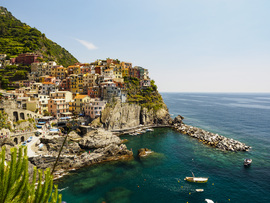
x=117, y=71
x=61, y=72
x=125, y=72
x=32, y=105
x=74, y=69
x=79, y=103
x=89, y=80
x=76, y=83
x=42, y=78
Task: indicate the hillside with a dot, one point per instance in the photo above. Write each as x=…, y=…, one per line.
x=17, y=37
x=148, y=97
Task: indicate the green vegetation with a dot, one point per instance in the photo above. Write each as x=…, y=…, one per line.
x=3, y=120
x=17, y=37
x=148, y=97
x=15, y=185
x=13, y=73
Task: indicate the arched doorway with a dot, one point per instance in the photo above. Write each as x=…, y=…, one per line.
x=22, y=139
x=22, y=116
x=15, y=114
x=16, y=140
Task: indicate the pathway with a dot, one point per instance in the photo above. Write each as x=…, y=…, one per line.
x=30, y=151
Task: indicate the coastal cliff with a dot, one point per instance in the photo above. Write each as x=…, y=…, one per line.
x=125, y=115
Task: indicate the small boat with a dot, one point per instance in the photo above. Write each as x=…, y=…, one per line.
x=149, y=130
x=247, y=162
x=199, y=190
x=209, y=201
x=196, y=179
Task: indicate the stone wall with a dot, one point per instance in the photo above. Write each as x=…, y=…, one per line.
x=15, y=113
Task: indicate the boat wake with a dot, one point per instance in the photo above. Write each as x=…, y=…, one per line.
x=62, y=189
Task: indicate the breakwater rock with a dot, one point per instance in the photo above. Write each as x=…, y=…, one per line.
x=212, y=139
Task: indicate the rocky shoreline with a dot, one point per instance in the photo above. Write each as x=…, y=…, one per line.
x=101, y=145
x=95, y=147
x=208, y=138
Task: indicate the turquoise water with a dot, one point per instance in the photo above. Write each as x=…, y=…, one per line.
x=160, y=177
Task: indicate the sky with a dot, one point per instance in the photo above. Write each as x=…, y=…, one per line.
x=187, y=45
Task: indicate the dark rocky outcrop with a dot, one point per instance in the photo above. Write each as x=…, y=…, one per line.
x=178, y=120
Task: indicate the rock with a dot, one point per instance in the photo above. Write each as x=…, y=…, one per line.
x=122, y=115
x=6, y=141
x=98, y=139
x=74, y=136
x=143, y=152
x=178, y=120
x=74, y=148
x=211, y=139
x=125, y=115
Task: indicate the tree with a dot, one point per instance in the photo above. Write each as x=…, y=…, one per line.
x=14, y=180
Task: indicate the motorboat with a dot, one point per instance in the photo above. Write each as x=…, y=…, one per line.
x=194, y=179
x=247, y=162
x=149, y=130
x=199, y=190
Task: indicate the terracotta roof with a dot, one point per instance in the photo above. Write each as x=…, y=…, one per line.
x=48, y=83
x=80, y=96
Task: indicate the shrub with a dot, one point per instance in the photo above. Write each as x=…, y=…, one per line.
x=15, y=185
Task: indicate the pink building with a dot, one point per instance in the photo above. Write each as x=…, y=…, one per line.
x=57, y=106
x=94, y=107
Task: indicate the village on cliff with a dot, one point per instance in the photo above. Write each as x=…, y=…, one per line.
x=57, y=100
x=80, y=89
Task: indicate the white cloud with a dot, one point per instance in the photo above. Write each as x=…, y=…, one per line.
x=88, y=45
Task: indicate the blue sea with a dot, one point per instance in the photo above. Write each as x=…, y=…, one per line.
x=160, y=177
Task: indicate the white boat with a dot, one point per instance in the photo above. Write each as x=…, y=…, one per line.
x=209, y=201
x=199, y=190
x=149, y=130
x=247, y=162
x=194, y=179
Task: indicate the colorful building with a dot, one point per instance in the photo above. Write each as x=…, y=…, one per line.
x=48, y=87
x=61, y=95
x=94, y=107
x=57, y=106
x=27, y=58
x=76, y=83
x=79, y=102
x=65, y=84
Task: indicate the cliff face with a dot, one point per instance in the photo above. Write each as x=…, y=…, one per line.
x=160, y=117
x=124, y=115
